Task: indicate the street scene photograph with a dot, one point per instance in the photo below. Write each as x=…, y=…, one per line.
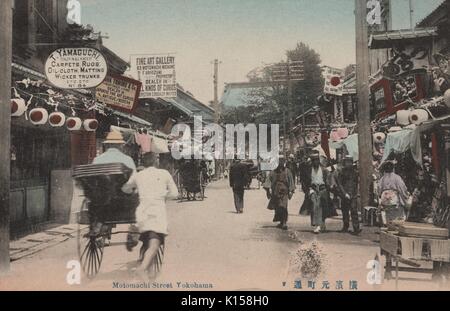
x=235, y=146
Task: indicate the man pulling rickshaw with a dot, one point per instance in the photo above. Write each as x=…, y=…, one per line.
x=107, y=206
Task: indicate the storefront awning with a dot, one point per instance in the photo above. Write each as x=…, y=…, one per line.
x=387, y=39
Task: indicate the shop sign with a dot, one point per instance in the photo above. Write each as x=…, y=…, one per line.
x=118, y=92
x=157, y=74
x=76, y=68
x=406, y=61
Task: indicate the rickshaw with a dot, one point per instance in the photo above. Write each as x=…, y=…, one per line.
x=105, y=207
x=254, y=172
x=191, y=182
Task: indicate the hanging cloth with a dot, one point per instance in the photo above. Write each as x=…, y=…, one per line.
x=144, y=141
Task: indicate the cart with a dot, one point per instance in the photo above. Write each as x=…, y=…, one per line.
x=416, y=255
x=105, y=207
x=253, y=173
x=190, y=184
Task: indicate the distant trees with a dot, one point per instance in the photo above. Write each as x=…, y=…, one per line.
x=269, y=104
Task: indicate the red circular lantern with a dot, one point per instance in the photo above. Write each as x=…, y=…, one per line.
x=71, y=123
x=36, y=116
x=93, y=125
x=18, y=107
x=74, y=124
x=335, y=81
x=90, y=125
x=14, y=107
x=55, y=119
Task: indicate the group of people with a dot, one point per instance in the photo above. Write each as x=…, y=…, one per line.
x=325, y=190
x=317, y=184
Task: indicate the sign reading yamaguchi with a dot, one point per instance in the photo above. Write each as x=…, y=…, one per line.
x=76, y=68
x=157, y=74
x=119, y=92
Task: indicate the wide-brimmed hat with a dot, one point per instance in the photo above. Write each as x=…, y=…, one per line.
x=114, y=138
x=348, y=158
x=314, y=155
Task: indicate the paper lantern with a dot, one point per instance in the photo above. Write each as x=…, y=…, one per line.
x=57, y=119
x=403, y=117
x=74, y=124
x=90, y=125
x=38, y=116
x=395, y=129
x=334, y=136
x=379, y=138
x=418, y=116
x=447, y=98
x=343, y=132
x=18, y=107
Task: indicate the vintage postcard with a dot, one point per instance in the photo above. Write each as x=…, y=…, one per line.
x=212, y=145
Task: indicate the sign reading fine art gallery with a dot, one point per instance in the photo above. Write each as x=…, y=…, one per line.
x=76, y=68
x=119, y=92
x=157, y=74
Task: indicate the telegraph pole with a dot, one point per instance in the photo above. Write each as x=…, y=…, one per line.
x=5, y=129
x=216, y=91
x=217, y=112
x=411, y=13
x=362, y=78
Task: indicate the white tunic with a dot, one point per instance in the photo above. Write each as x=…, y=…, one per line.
x=154, y=187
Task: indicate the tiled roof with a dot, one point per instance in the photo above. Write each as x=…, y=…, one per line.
x=444, y=7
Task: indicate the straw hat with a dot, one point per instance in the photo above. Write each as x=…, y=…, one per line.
x=114, y=138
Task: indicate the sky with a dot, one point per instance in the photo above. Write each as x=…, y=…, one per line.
x=242, y=34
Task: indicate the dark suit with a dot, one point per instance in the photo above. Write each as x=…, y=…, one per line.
x=238, y=180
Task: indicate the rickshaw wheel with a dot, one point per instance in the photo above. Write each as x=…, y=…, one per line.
x=156, y=264
x=90, y=251
x=202, y=189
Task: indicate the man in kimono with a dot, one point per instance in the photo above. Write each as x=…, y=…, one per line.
x=280, y=188
x=292, y=166
x=317, y=195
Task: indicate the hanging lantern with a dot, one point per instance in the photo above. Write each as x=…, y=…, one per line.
x=379, y=138
x=57, y=119
x=447, y=98
x=74, y=124
x=403, y=117
x=334, y=136
x=38, y=116
x=90, y=125
x=418, y=116
x=343, y=132
x=18, y=107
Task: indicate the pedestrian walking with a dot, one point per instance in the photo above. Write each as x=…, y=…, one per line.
x=347, y=189
x=280, y=188
x=393, y=194
x=238, y=180
x=293, y=167
x=154, y=186
x=317, y=198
